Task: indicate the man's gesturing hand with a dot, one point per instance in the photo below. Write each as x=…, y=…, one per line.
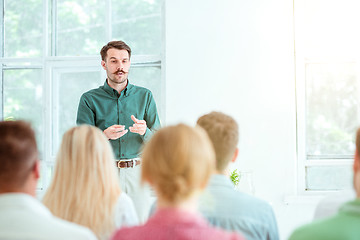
x=115, y=131
x=139, y=126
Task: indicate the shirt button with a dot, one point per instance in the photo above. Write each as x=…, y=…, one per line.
x=122, y=140
x=122, y=154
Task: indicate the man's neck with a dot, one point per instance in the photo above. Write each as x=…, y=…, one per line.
x=189, y=205
x=31, y=193
x=118, y=87
x=225, y=172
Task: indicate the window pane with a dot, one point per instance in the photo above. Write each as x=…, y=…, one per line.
x=329, y=178
x=23, y=26
x=23, y=99
x=68, y=88
x=332, y=108
x=150, y=78
x=80, y=27
x=329, y=28
x=138, y=23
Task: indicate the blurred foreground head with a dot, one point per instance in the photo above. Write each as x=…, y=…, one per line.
x=177, y=162
x=19, y=166
x=85, y=186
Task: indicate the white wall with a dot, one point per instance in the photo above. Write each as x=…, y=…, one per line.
x=237, y=56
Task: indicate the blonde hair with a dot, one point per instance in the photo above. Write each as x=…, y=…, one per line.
x=224, y=135
x=177, y=161
x=85, y=187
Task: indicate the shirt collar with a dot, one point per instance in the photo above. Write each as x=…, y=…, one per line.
x=220, y=180
x=23, y=201
x=114, y=93
x=176, y=216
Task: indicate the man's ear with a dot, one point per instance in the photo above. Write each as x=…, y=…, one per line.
x=36, y=169
x=103, y=64
x=236, y=153
x=356, y=161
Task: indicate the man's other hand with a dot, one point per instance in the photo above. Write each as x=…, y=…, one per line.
x=115, y=131
x=139, y=126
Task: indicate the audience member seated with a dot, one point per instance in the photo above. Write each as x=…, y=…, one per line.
x=21, y=215
x=85, y=187
x=330, y=204
x=177, y=163
x=345, y=224
x=220, y=203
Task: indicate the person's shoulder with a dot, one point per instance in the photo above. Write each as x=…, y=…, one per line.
x=328, y=228
x=250, y=201
x=94, y=91
x=127, y=233
x=255, y=201
x=136, y=88
x=93, y=94
x=306, y=232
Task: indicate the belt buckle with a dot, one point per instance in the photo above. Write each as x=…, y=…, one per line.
x=120, y=161
x=126, y=161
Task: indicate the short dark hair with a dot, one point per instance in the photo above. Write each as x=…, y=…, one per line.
x=18, y=153
x=114, y=44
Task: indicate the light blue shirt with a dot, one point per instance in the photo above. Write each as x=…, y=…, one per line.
x=232, y=210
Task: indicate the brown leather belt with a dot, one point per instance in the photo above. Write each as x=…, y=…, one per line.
x=128, y=163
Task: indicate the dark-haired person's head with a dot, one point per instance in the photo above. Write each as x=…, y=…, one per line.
x=19, y=165
x=120, y=45
x=116, y=62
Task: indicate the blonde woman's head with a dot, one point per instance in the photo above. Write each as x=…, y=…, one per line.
x=178, y=161
x=85, y=156
x=85, y=186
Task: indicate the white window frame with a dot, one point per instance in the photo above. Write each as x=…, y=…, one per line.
x=50, y=63
x=303, y=160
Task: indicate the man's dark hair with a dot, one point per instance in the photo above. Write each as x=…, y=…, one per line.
x=114, y=44
x=18, y=153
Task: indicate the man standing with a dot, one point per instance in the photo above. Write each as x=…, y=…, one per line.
x=21, y=215
x=345, y=224
x=221, y=204
x=127, y=115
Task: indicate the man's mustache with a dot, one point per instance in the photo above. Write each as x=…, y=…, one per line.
x=120, y=71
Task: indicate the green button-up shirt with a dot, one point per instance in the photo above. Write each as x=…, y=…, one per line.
x=104, y=106
x=345, y=225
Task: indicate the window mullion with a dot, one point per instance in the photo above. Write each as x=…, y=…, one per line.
x=329, y=162
x=2, y=16
x=108, y=17
x=53, y=27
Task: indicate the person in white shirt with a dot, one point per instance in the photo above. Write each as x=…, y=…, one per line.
x=85, y=187
x=22, y=216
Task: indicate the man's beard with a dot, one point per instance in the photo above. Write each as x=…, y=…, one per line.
x=122, y=80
